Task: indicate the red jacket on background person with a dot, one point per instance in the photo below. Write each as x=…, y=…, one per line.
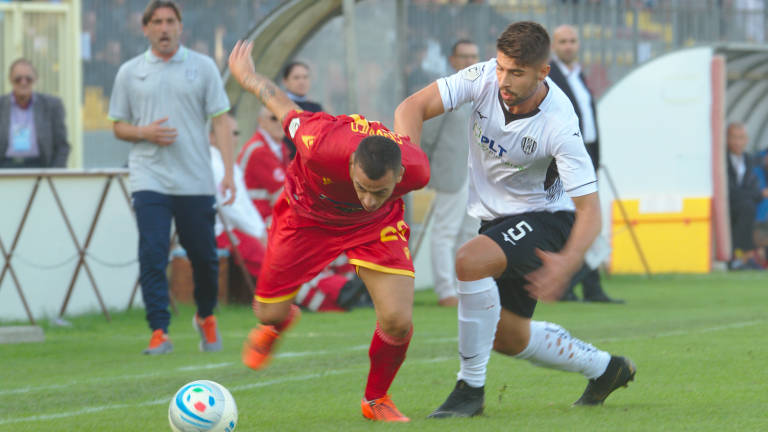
x=264, y=161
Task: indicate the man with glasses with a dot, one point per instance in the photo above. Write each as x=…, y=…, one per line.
x=32, y=129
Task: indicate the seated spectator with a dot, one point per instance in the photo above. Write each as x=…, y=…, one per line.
x=32, y=129
x=744, y=194
x=239, y=224
x=264, y=160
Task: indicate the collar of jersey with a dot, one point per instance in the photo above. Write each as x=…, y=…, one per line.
x=509, y=117
x=180, y=56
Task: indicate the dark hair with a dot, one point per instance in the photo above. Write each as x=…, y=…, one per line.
x=289, y=68
x=461, y=42
x=157, y=4
x=22, y=60
x=527, y=42
x=376, y=155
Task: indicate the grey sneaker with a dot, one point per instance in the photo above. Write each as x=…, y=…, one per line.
x=210, y=338
x=619, y=373
x=158, y=344
x=464, y=401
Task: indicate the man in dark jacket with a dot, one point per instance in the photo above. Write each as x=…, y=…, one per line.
x=566, y=72
x=32, y=129
x=744, y=194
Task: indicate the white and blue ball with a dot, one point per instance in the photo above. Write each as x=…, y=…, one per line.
x=202, y=406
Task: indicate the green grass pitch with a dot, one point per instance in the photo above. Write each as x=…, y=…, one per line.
x=699, y=343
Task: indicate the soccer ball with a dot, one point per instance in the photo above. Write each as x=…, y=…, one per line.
x=202, y=406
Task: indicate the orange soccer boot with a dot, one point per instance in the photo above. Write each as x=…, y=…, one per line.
x=262, y=340
x=158, y=343
x=382, y=409
x=210, y=338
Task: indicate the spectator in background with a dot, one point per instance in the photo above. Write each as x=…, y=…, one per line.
x=264, y=160
x=32, y=129
x=743, y=196
x=761, y=172
x=761, y=214
x=153, y=108
x=297, y=82
x=566, y=72
x=238, y=225
x=444, y=140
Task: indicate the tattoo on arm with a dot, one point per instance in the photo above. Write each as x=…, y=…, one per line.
x=261, y=87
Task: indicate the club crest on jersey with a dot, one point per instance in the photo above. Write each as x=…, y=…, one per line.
x=528, y=145
x=471, y=73
x=191, y=74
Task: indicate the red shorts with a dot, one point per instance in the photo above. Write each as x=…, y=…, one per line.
x=299, y=248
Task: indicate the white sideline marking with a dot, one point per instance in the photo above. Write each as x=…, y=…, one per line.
x=303, y=377
x=96, y=409
x=23, y=390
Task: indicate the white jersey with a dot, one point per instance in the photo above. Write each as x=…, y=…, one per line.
x=536, y=162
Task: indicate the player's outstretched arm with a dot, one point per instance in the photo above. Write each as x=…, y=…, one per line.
x=241, y=67
x=548, y=282
x=411, y=114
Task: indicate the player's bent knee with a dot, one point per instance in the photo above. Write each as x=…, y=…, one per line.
x=464, y=266
x=396, y=325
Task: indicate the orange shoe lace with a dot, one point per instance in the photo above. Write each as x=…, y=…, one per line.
x=382, y=409
x=209, y=328
x=158, y=338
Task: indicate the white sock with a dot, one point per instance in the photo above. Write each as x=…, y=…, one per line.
x=553, y=347
x=479, y=309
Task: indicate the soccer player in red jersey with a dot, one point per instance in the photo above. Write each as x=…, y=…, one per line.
x=342, y=194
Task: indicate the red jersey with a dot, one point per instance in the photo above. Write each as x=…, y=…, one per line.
x=264, y=172
x=318, y=183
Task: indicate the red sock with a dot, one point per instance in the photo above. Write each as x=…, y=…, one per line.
x=387, y=353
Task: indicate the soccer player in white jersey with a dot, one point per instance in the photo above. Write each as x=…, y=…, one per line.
x=533, y=186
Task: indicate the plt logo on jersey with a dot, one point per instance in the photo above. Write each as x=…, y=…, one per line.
x=488, y=145
x=491, y=147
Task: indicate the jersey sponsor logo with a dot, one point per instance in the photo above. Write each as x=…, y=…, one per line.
x=528, y=145
x=488, y=145
x=491, y=147
x=293, y=127
x=471, y=73
x=308, y=140
x=517, y=232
